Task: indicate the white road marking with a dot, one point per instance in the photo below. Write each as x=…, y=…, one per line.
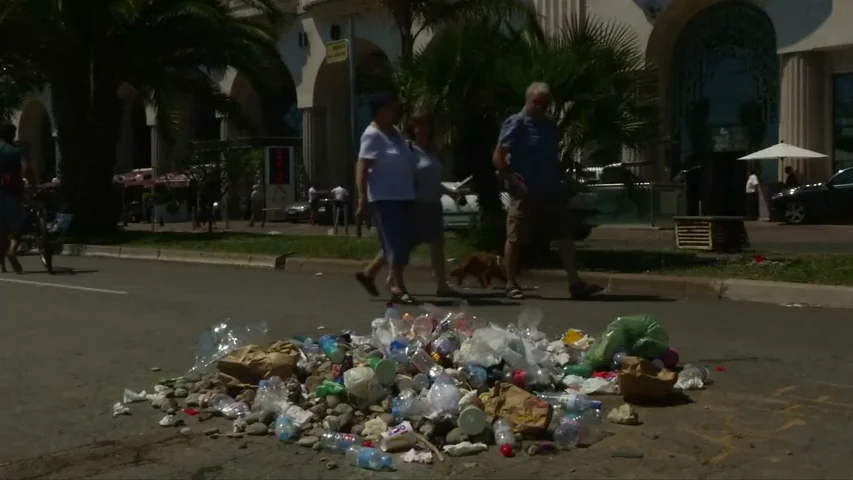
x=60, y=285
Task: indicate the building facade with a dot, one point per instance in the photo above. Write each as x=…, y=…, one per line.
x=734, y=76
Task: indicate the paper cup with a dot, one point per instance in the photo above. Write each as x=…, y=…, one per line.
x=401, y=437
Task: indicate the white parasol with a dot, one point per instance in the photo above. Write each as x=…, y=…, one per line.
x=782, y=150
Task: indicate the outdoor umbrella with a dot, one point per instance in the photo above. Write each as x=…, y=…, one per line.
x=782, y=150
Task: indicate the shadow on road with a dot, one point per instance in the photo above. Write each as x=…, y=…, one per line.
x=609, y=297
x=60, y=271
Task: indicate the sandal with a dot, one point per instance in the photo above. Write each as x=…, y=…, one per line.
x=368, y=283
x=515, y=293
x=584, y=290
x=403, y=297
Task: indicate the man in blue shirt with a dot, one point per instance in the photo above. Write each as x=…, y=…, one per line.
x=13, y=165
x=527, y=157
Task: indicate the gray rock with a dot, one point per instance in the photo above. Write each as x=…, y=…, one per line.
x=345, y=421
x=181, y=393
x=211, y=431
x=358, y=414
x=308, y=441
x=204, y=416
x=332, y=423
x=191, y=378
x=455, y=436
x=193, y=400
x=251, y=418
x=257, y=430
x=331, y=465
x=169, y=393
x=200, y=386
x=386, y=404
x=184, y=431
x=343, y=408
x=317, y=430
x=317, y=446
x=387, y=418
x=376, y=409
x=333, y=401
x=214, y=436
x=267, y=417
x=319, y=410
x=308, y=426
x=170, y=405
x=234, y=435
x=357, y=429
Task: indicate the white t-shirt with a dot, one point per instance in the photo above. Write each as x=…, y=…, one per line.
x=752, y=184
x=339, y=193
x=393, y=174
x=312, y=194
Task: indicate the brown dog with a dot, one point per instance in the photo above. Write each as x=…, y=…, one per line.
x=483, y=266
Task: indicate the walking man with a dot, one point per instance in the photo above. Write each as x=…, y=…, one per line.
x=340, y=207
x=256, y=204
x=527, y=159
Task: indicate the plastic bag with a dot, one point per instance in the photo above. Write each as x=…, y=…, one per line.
x=329, y=388
x=222, y=339
x=639, y=335
x=361, y=383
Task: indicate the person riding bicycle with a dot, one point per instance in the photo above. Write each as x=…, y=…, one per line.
x=13, y=170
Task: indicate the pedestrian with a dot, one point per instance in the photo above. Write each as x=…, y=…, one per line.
x=385, y=184
x=752, y=184
x=339, y=205
x=528, y=162
x=13, y=170
x=313, y=204
x=791, y=180
x=429, y=214
x=256, y=204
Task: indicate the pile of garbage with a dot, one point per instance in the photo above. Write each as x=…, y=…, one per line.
x=441, y=383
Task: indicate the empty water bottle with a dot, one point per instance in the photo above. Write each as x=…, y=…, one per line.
x=329, y=346
x=618, y=358
x=694, y=371
x=477, y=376
x=339, y=442
x=285, y=429
x=229, y=407
x=407, y=405
x=571, y=402
x=391, y=312
x=568, y=433
x=426, y=365
x=368, y=458
x=503, y=432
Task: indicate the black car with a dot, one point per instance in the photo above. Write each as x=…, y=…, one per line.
x=827, y=202
x=300, y=212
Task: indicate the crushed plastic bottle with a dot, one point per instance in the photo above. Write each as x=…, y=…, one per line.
x=329, y=346
x=426, y=365
x=693, y=377
x=443, y=398
x=568, y=433
x=285, y=429
x=528, y=323
x=229, y=407
x=503, y=432
x=407, y=405
x=571, y=402
x=477, y=376
x=368, y=458
x=339, y=442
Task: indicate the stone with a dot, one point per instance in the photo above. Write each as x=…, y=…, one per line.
x=312, y=382
x=204, y=416
x=343, y=408
x=267, y=417
x=169, y=393
x=191, y=378
x=519, y=438
x=332, y=423
x=181, y=393
x=155, y=369
x=387, y=418
x=345, y=422
x=200, y=386
x=242, y=444
x=358, y=414
x=427, y=430
x=623, y=415
x=317, y=430
x=333, y=401
x=308, y=441
x=455, y=436
x=211, y=431
x=319, y=410
x=170, y=405
x=331, y=465
x=257, y=430
x=214, y=436
x=239, y=425
x=193, y=400
x=376, y=409
x=234, y=435
x=317, y=446
x=357, y=429
x=253, y=417
x=184, y=431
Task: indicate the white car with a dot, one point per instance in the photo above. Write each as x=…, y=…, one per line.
x=461, y=211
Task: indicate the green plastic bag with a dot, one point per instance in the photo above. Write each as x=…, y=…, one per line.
x=329, y=388
x=638, y=335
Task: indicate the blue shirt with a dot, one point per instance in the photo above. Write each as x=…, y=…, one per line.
x=392, y=176
x=428, y=186
x=533, y=146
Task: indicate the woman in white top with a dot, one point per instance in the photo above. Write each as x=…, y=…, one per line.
x=385, y=183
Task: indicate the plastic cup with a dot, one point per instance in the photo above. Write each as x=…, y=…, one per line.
x=405, y=382
x=384, y=369
x=472, y=420
x=423, y=326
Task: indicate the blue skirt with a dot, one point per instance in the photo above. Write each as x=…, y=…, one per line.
x=394, y=221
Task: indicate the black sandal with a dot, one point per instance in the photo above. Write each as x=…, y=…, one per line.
x=368, y=283
x=515, y=293
x=404, y=298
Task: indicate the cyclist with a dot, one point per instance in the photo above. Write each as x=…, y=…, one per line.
x=13, y=169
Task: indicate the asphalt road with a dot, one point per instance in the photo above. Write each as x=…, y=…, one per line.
x=70, y=344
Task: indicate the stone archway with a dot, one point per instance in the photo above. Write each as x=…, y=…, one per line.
x=333, y=152
x=35, y=134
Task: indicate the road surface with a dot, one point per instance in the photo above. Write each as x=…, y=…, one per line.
x=70, y=344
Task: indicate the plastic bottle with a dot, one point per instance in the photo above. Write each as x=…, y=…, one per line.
x=391, y=312
x=568, y=433
x=572, y=402
x=368, y=458
x=229, y=407
x=285, y=429
x=445, y=345
x=407, y=405
x=618, y=358
x=339, y=442
x=397, y=351
x=329, y=346
x=694, y=371
x=528, y=323
x=426, y=365
x=477, y=376
x=581, y=370
x=503, y=432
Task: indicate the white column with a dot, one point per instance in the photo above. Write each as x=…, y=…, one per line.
x=58, y=156
x=160, y=161
x=801, y=106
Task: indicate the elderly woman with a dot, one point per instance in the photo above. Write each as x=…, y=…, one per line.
x=385, y=183
x=428, y=225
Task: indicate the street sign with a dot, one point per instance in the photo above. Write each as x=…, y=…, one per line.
x=337, y=51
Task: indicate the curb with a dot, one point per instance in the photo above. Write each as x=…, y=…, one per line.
x=628, y=284
x=170, y=255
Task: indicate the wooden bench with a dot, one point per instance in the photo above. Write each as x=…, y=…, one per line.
x=711, y=233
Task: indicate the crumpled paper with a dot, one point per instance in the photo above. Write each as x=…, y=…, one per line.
x=119, y=409
x=415, y=456
x=464, y=448
x=133, y=397
x=690, y=383
x=623, y=415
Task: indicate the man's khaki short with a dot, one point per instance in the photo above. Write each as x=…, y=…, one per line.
x=543, y=217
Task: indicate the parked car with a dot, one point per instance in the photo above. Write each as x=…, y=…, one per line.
x=300, y=212
x=826, y=202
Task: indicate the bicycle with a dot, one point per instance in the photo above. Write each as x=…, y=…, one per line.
x=37, y=232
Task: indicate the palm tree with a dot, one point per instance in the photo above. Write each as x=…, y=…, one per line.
x=163, y=49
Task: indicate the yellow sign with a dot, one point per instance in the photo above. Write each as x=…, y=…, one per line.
x=337, y=51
